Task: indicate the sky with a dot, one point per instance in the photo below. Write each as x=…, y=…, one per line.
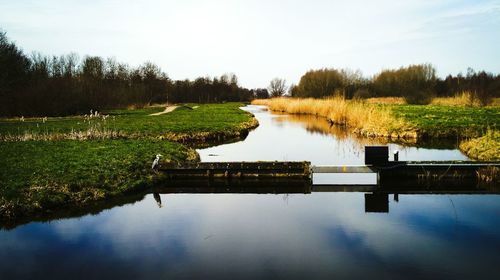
x=260, y=40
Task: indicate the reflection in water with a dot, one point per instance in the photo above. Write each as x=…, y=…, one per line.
x=314, y=124
x=158, y=199
x=376, y=202
x=250, y=236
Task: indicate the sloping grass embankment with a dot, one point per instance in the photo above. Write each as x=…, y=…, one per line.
x=51, y=163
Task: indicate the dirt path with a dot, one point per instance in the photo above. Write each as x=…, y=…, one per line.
x=168, y=109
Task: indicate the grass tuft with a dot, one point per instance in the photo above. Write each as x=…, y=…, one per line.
x=486, y=147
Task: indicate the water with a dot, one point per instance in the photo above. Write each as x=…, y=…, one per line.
x=303, y=137
x=268, y=236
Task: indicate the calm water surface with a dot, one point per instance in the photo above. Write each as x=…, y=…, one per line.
x=269, y=236
x=302, y=137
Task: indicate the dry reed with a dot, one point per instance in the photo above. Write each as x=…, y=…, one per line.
x=362, y=117
x=465, y=98
x=386, y=100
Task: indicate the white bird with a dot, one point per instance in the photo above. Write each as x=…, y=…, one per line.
x=156, y=161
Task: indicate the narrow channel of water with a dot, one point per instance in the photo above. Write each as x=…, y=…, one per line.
x=270, y=236
x=304, y=137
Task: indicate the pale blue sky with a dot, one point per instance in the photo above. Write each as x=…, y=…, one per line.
x=259, y=40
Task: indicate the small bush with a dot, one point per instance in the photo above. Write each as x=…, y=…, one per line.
x=418, y=97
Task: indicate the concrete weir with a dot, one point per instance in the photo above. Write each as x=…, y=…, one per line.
x=376, y=162
x=259, y=169
x=394, y=173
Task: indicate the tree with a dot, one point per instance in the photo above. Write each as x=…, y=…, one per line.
x=14, y=71
x=261, y=93
x=415, y=83
x=320, y=83
x=277, y=87
x=293, y=90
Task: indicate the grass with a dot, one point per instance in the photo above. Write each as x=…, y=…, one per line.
x=40, y=175
x=460, y=99
x=486, y=147
x=206, y=121
x=448, y=121
x=51, y=163
x=393, y=120
x=465, y=98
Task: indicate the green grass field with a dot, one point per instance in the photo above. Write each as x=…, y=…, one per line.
x=209, y=118
x=39, y=176
x=449, y=121
x=477, y=128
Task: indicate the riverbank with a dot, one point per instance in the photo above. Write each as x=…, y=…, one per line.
x=399, y=122
x=52, y=163
x=486, y=147
x=184, y=124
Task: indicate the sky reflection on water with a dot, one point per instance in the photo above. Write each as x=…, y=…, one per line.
x=264, y=236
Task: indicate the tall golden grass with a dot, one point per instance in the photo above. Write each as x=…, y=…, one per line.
x=362, y=117
x=464, y=98
x=386, y=100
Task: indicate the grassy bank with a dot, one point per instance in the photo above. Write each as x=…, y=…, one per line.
x=38, y=176
x=204, y=122
x=48, y=164
x=486, y=147
x=396, y=121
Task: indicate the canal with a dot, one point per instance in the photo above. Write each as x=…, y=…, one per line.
x=295, y=235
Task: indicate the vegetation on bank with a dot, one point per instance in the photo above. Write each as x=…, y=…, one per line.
x=486, y=147
x=195, y=123
x=403, y=122
x=416, y=84
x=49, y=163
x=434, y=121
x=39, y=176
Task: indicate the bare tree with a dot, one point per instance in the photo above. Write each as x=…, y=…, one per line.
x=277, y=87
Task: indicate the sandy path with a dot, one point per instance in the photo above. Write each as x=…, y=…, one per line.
x=168, y=109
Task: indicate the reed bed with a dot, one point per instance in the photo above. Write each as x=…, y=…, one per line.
x=465, y=98
x=361, y=117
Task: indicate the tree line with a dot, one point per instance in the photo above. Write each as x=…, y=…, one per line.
x=418, y=84
x=38, y=85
